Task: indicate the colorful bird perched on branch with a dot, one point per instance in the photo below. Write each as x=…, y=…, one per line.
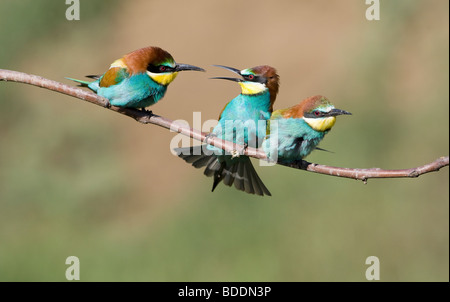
x=296, y=131
x=138, y=79
x=239, y=122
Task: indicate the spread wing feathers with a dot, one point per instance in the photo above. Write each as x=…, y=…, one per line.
x=194, y=156
x=241, y=174
x=113, y=76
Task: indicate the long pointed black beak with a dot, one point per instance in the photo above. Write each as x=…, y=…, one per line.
x=336, y=112
x=181, y=67
x=229, y=79
x=230, y=69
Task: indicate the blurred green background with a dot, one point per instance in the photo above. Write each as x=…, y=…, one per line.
x=76, y=179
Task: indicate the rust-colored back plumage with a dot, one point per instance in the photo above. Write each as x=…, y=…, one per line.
x=273, y=81
x=307, y=105
x=138, y=60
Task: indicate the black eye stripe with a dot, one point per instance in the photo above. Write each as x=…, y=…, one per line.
x=315, y=114
x=257, y=79
x=159, y=68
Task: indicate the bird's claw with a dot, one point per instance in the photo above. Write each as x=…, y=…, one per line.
x=149, y=112
x=208, y=136
x=238, y=152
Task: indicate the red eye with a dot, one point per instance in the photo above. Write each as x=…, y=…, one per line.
x=317, y=113
x=250, y=77
x=162, y=68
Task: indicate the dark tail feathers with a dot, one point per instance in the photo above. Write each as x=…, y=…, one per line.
x=242, y=174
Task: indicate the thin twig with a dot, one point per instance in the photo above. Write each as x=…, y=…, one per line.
x=149, y=118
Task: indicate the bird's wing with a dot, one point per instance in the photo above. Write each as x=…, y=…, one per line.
x=277, y=114
x=113, y=76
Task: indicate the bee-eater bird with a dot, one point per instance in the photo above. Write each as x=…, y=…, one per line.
x=296, y=131
x=138, y=79
x=238, y=123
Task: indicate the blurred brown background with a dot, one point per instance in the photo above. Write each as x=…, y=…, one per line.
x=76, y=179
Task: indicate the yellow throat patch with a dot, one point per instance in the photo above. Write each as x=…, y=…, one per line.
x=163, y=78
x=321, y=124
x=252, y=87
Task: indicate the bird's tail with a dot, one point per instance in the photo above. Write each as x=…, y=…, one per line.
x=82, y=83
x=241, y=172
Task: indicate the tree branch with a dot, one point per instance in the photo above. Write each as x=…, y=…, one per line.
x=149, y=118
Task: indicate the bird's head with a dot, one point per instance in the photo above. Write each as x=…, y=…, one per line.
x=156, y=62
x=256, y=80
x=317, y=111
